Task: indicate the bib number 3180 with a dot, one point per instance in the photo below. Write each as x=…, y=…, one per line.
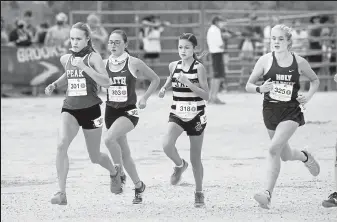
x=186, y=109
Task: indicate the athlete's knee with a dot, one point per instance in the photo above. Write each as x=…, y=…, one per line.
x=62, y=145
x=275, y=149
x=286, y=155
x=168, y=145
x=110, y=141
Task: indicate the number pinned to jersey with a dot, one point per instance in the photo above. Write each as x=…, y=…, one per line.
x=98, y=122
x=281, y=92
x=133, y=112
x=77, y=87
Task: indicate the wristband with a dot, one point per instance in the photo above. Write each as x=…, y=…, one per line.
x=54, y=84
x=258, y=89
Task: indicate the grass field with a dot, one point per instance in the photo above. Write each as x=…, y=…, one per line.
x=234, y=158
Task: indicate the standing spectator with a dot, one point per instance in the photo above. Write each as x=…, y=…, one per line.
x=151, y=32
x=326, y=49
x=31, y=29
x=300, y=38
x=248, y=46
x=19, y=36
x=99, y=35
x=266, y=33
x=150, y=40
x=4, y=36
x=59, y=33
x=314, y=42
x=216, y=48
x=41, y=33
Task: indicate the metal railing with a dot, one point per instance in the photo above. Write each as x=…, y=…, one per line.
x=201, y=25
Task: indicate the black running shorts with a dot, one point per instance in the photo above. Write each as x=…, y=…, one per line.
x=274, y=113
x=88, y=118
x=112, y=114
x=194, y=127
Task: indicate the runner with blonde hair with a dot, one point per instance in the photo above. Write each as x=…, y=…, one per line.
x=281, y=70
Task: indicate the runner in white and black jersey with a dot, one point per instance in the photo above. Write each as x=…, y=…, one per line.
x=190, y=90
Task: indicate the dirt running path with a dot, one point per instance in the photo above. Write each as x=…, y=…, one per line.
x=235, y=148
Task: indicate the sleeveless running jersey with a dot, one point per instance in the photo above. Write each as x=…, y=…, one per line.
x=186, y=104
x=122, y=91
x=286, y=82
x=82, y=89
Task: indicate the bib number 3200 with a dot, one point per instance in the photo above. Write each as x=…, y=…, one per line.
x=281, y=92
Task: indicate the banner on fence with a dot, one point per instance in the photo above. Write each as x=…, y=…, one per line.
x=31, y=66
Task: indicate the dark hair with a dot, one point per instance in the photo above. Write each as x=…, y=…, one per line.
x=84, y=27
x=190, y=37
x=216, y=19
x=124, y=37
x=28, y=13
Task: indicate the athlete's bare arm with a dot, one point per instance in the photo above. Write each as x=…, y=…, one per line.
x=203, y=90
x=62, y=80
x=142, y=69
x=167, y=84
x=305, y=69
x=258, y=71
x=98, y=72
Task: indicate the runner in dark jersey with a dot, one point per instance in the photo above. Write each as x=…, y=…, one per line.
x=121, y=113
x=84, y=71
x=332, y=199
x=281, y=70
x=190, y=90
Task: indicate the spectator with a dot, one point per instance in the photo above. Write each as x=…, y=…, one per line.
x=150, y=41
x=19, y=36
x=314, y=42
x=326, y=49
x=41, y=33
x=151, y=32
x=266, y=33
x=216, y=47
x=99, y=35
x=31, y=29
x=4, y=36
x=252, y=38
x=59, y=33
x=300, y=38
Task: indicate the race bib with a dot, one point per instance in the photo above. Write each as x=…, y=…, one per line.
x=98, y=122
x=118, y=93
x=281, y=92
x=203, y=119
x=133, y=112
x=77, y=87
x=186, y=109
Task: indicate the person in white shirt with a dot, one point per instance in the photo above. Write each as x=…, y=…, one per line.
x=300, y=39
x=216, y=48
